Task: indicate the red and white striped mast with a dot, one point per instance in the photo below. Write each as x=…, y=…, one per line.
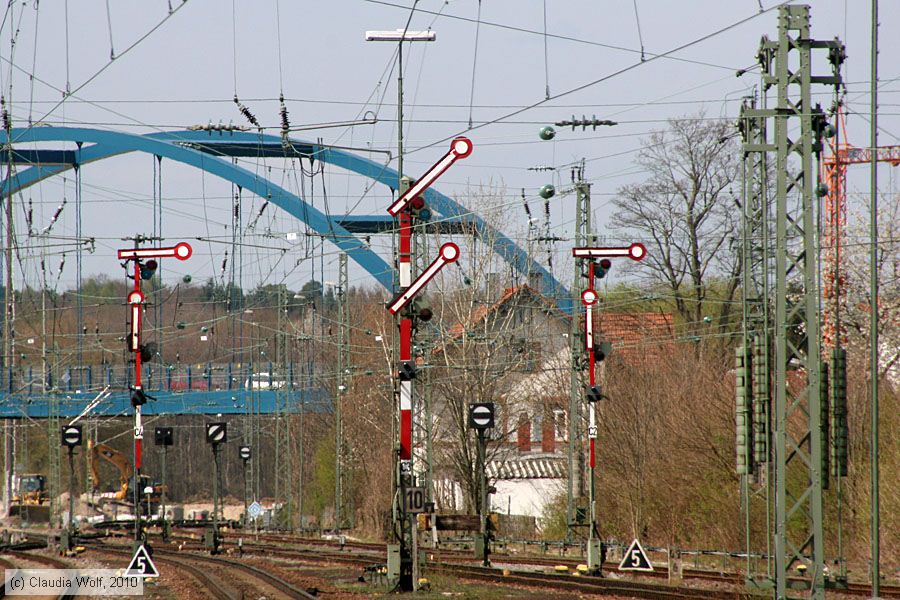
x=589, y=298
x=181, y=251
x=412, y=200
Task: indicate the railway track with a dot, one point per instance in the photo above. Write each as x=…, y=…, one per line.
x=220, y=590
x=445, y=558
x=606, y=587
x=452, y=563
x=47, y=561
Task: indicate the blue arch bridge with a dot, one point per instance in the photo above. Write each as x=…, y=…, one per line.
x=221, y=390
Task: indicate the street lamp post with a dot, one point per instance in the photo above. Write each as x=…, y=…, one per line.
x=399, y=36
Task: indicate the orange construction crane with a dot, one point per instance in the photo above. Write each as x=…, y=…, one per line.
x=834, y=176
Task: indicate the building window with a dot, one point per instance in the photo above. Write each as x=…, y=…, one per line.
x=559, y=421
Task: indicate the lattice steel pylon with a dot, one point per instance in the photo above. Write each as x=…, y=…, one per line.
x=575, y=491
x=799, y=439
x=285, y=476
x=754, y=404
x=342, y=389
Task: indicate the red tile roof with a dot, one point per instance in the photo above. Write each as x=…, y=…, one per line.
x=481, y=312
x=636, y=336
x=633, y=335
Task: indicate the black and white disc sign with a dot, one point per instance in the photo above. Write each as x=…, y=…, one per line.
x=481, y=415
x=245, y=452
x=216, y=433
x=71, y=435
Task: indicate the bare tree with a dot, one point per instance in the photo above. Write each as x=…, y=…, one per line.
x=481, y=347
x=687, y=211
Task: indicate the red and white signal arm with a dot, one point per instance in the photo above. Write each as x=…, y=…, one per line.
x=460, y=147
x=135, y=299
x=181, y=251
x=449, y=253
x=589, y=297
x=636, y=251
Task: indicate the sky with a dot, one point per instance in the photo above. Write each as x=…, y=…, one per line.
x=492, y=60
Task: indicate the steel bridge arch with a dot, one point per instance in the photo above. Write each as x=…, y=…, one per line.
x=181, y=146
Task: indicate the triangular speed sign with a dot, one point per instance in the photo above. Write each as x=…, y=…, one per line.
x=141, y=564
x=635, y=559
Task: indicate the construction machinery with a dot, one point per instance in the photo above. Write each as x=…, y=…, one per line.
x=31, y=489
x=31, y=500
x=126, y=476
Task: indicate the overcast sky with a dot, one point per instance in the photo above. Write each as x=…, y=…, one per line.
x=187, y=71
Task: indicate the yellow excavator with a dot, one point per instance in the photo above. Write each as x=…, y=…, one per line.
x=31, y=499
x=126, y=477
x=31, y=490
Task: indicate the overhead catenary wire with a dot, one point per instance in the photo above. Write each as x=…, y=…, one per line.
x=474, y=63
x=112, y=48
x=637, y=20
x=604, y=78
x=546, y=57
x=103, y=68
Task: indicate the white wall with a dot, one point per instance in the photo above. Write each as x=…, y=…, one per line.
x=525, y=496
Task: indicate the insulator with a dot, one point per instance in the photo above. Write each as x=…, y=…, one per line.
x=839, y=430
x=743, y=411
x=7, y=123
x=285, y=122
x=54, y=218
x=224, y=264
x=823, y=421
x=246, y=112
x=29, y=218
x=527, y=208
x=258, y=215
x=761, y=401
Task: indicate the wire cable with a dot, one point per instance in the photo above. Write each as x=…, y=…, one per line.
x=640, y=35
x=112, y=49
x=607, y=77
x=546, y=61
x=474, y=64
x=102, y=69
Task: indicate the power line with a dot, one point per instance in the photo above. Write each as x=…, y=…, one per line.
x=589, y=84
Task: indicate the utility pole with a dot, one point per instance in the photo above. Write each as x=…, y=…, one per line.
x=284, y=396
x=71, y=437
x=343, y=386
x=8, y=313
x=216, y=434
x=481, y=418
x=164, y=437
x=583, y=237
x=873, y=306
x=753, y=396
x=245, y=453
x=597, y=351
x=145, y=264
x=53, y=426
x=800, y=451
